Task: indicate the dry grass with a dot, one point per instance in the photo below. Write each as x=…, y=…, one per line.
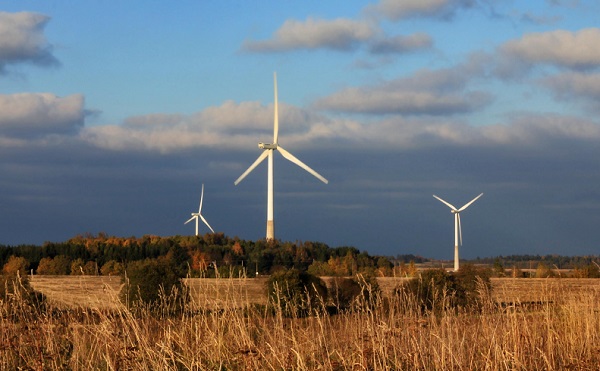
x=392, y=334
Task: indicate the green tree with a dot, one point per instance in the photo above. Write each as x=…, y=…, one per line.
x=321, y=269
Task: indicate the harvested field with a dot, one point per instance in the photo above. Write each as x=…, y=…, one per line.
x=522, y=290
x=213, y=293
x=102, y=291
x=99, y=292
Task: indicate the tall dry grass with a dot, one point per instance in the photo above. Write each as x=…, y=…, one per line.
x=393, y=333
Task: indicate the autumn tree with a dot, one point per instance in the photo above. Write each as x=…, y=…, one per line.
x=16, y=265
x=112, y=268
x=59, y=265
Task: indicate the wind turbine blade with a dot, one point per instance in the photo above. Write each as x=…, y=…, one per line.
x=447, y=203
x=255, y=164
x=192, y=218
x=201, y=197
x=275, y=111
x=208, y=225
x=467, y=205
x=459, y=229
x=293, y=159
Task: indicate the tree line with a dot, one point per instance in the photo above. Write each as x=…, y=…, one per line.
x=207, y=255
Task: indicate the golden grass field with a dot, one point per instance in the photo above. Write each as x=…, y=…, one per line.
x=561, y=333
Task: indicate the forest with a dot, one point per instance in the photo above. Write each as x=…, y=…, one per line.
x=207, y=255
x=211, y=254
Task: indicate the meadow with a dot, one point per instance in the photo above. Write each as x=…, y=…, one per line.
x=227, y=327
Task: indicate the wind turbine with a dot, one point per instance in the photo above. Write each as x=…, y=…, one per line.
x=268, y=149
x=457, y=226
x=199, y=214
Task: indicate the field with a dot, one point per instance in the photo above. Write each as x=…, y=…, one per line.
x=102, y=292
x=560, y=332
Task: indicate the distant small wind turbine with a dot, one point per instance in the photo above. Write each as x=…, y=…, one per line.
x=269, y=148
x=457, y=226
x=199, y=214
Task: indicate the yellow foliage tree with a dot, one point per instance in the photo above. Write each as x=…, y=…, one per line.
x=14, y=265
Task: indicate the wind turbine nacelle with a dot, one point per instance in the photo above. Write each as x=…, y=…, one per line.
x=267, y=146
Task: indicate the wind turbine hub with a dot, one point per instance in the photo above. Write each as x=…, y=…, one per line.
x=267, y=145
x=454, y=211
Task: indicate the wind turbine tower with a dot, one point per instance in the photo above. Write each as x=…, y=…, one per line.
x=268, y=150
x=199, y=214
x=457, y=226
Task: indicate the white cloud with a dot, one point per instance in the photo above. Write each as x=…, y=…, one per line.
x=338, y=34
x=402, y=9
x=22, y=39
x=561, y=48
x=37, y=114
x=231, y=125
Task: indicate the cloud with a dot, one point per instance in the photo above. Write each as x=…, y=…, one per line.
x=535, y=19
x=575, y=86
x=396, y=10
x=401, y=44
x=388, y=101
x=22, y=40
x=428, y=92
x=339, y=34
x=531, y=131
x=38, y=114
x=559, y=48
x=231, y=125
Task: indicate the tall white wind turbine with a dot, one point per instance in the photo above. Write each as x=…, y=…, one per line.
x=268, y=149
x=198, y=215
x=457, y=226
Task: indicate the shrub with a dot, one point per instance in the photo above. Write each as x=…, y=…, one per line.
x=296, y=293
x=472, y=284
x=18, y=297
x=430, y=289
x=356, y=293
x=154, y=283
x=437, y=290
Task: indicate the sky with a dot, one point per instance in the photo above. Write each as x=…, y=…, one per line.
x=113, y=115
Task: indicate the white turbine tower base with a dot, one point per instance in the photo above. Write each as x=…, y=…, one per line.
x=268, y=149
x=457, y=226
x=198, y=215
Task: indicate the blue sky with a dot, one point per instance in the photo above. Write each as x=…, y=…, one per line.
x=113, y=114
